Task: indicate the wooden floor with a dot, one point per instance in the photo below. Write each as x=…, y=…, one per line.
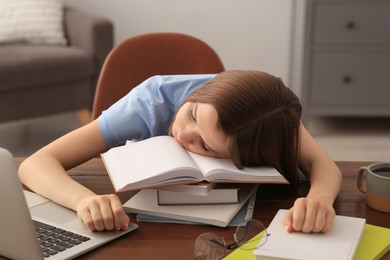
x=345, y=139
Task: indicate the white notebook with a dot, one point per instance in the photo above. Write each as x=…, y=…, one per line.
x=340, y=242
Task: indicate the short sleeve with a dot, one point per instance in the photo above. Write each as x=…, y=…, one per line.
x=148, y=109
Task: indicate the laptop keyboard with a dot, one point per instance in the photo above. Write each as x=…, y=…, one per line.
x=54, y=240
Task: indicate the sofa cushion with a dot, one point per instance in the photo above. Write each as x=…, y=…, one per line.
x=35, y=22
x=24, y=65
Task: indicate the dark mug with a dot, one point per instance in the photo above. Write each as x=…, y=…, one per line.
x=376, y=185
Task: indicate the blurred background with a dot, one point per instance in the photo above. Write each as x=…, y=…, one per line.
x=263, y=35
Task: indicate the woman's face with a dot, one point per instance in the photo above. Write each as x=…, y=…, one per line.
x=195, y=128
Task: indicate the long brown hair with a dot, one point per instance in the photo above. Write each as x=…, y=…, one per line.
x=259, y=115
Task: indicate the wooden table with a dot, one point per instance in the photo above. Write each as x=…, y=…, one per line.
x=176, y=241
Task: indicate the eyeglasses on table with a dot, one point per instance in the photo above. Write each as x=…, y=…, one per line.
x=249, y=235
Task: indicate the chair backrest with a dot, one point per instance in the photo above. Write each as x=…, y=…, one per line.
x=138, y=58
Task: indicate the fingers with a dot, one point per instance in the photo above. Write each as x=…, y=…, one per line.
x=288, y=221
x=331, y=215
x=86, y=217
x=309, y=215
x=104, y=212
x=121, y=220
x=104, y=218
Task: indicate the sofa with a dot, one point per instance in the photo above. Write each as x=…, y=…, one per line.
x=44, y=79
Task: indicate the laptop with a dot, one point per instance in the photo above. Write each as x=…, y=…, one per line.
x=25, y=216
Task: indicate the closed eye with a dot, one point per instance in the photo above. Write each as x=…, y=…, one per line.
x=204, y=146
x=191, y=113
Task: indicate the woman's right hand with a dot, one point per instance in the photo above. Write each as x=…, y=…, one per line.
x=102, y=212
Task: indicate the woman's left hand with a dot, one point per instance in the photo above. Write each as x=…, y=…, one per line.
x=310, y=215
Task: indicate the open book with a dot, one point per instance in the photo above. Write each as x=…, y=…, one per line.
x=160, y=161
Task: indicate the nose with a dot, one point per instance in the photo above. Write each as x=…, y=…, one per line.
x=187, y=136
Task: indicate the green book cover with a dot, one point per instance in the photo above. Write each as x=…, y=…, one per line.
x=374, y=244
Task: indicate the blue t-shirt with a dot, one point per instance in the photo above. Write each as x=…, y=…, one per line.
x=148, y=109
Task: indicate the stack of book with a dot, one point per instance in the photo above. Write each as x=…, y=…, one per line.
x=202, y=193
x=179, y=186
x=152, y=207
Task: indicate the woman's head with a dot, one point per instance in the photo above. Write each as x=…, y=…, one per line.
x=259, y=117
x=196, y=128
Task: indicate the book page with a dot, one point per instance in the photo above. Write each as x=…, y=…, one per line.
x=217, y=168
x=151, y=158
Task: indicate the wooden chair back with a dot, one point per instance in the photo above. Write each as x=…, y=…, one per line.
x=138, y=58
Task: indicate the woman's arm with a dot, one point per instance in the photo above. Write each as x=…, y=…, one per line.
x=315, y=212
x=45, y=173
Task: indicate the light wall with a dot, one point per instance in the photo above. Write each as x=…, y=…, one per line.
x=247, y=34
